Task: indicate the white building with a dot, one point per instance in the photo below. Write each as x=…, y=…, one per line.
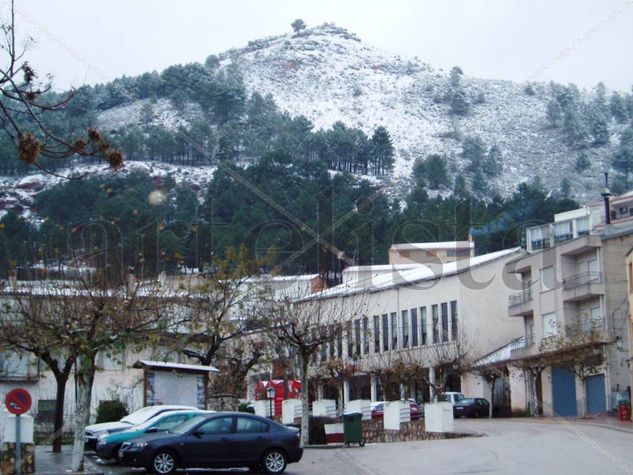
x=412, y=311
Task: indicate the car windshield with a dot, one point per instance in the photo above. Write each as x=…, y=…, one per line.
x=466, y=401
x=187, y=425
x=139, y=416
x=152, y=421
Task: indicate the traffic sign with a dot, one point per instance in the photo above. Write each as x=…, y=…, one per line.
x=18, y=401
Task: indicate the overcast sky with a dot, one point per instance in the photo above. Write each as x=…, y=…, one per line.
x=578, y=41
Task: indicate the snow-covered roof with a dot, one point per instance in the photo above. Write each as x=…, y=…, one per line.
x=435, y=245
x=177, y=366
x=419, y=274
x=382, y=267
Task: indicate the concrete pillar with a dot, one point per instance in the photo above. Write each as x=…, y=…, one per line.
x=432, y=381
x=345, y=392
x=320, y=391
x=374, y=387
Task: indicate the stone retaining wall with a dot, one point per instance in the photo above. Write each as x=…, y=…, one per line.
x=373, y=432
x=7, y=458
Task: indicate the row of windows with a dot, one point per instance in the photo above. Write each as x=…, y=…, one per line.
x=413, y=328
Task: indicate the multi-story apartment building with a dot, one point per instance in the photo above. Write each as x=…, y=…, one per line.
x=574, y=295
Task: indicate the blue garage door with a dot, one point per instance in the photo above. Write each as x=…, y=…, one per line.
x=564, y=392
x=596, y=398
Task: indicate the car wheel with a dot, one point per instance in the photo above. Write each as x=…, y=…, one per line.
x=164, y=463
x=115, y=454
x=274, y=461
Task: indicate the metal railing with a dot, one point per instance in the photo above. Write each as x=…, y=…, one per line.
x=582, y=279
x=520, y=298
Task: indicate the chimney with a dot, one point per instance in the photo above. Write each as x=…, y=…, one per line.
x=605, y=196
x=13, y=278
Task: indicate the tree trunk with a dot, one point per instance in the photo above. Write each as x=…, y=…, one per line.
x=58, y=426
x=492, y=398
x=305, y=401
x=85, y=377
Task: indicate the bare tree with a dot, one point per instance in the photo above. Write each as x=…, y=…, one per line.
x=82, y=317
x=227, y=312
x=308, y=324
x=395, y=371
x=30, y=324
x=27, y=105
x=454, y=357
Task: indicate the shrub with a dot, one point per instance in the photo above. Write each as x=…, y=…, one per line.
x=110, y=411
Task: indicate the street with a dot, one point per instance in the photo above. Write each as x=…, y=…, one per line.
x=517, y=446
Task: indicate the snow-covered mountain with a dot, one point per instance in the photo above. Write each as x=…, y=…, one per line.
x=328, y=74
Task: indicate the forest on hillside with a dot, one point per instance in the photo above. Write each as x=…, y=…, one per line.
x=154, y=225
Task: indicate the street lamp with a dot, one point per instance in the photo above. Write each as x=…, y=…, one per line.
x=270, y=395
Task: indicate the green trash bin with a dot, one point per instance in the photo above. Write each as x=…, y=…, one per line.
x=353, y=428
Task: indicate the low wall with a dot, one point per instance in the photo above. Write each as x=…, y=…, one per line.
x=373, y=432
x=7, y=458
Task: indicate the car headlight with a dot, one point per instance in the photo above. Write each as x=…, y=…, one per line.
x=138, y=445
x=102, y=440
x=101, y=433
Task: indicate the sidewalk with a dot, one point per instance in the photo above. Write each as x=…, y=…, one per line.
x=49, y=463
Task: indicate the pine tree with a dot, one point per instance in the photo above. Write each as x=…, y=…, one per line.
x=459, y=187
x=598, y=127
x=493, y=163
x=554, y=113
x=575, y=132
x=618, y=108
x=381, y=151
x=460, y=104
x=582, y=162
x=298, y=25
x=435, y=171
x=474, y=150
x=480, y=185
x=565, y=188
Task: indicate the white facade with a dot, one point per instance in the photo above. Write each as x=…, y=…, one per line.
x=407, y=315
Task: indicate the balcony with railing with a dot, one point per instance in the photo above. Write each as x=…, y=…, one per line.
x=583, y=286
x=520, y=304
x=14, y=367
x=522, y=347
x=506, y=352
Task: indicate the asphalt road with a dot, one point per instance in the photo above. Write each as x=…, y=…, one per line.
x=508, y=446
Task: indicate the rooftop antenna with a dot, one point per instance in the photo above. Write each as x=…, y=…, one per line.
x=605, y=196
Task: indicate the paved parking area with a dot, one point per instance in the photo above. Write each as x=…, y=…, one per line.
x=517, y=446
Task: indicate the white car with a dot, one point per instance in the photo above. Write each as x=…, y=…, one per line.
x=94, y=431
x=450, y=396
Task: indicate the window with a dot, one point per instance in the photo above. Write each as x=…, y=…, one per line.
x=394, y=331
x=350, y=343
x=550, y=326
x=454, y=328
x=46, y=411
x=423, y=325
x=376, y=334
x=414, y=327
x=385, y=332
x=405, y=329
x=219, y=425
x=582, y=226
x=435, y=317
x=357, y=339
x=563, y=231
x=539, y=237
x=548, y=279
x=339, y=346
x=171, y=421
x=246, y=425
x=444, y=322
x=365, y=335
